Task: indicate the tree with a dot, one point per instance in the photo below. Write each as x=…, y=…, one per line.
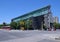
x=56, y=25
x=18, y=25
x=22, y=25
x=4, y=24
x=13, y=25
x=29, y=24
x=1, y=25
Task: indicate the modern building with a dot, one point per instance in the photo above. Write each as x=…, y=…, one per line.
x=56, y=19
x=37, y=19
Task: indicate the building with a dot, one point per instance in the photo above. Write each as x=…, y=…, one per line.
x=56, y=19
x=6, y=27
x=36, y=19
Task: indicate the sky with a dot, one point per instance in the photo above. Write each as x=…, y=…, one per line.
x=13, y=8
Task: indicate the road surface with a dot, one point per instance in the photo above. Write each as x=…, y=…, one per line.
x=29, y=36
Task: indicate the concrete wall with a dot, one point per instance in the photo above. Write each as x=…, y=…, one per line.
x=47, y=20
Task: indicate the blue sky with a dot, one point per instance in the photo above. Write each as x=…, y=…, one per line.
x=12, y=8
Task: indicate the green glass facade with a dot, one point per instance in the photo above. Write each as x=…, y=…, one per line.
x=35, y=13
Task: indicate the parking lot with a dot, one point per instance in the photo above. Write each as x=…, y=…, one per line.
x=28, y=36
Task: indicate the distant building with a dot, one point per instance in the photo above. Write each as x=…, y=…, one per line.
x=56, y=19
x=6, y=27
x=36, y=19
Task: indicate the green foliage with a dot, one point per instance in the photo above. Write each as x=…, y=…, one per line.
x=1, y=25
x=4, y=24
x=13, y=25
x=29, y=24
x=22, y=23
x=56, y=25
x=18, y=25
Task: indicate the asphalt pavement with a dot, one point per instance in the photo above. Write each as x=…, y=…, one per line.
x=6, y=35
